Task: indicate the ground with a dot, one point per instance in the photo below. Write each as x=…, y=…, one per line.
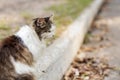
x=101, y=44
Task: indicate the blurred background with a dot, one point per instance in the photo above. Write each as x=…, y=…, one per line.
x=15, y=13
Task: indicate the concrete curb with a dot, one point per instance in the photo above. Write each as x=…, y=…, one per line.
x=57, y=57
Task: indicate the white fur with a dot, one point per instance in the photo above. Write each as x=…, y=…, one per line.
x=31, y=40
x=35, y=46
x=50, y=34
x=21, y=68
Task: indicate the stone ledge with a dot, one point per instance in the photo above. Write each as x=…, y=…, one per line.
x=58, y=56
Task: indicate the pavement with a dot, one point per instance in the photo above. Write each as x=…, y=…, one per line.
x=112, y=9
x=111, y=12
x=105, y=40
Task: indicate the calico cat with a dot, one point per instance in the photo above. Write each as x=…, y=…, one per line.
x=20, y=52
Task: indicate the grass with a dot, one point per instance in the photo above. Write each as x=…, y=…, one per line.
x=4, y=26
x=6, y=29
x=27, y=16
x=67, y=12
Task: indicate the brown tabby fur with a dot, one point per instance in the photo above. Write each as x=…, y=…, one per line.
x=13, y=47
x=42, y=25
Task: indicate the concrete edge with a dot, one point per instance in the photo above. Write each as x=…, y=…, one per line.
x=57, y=57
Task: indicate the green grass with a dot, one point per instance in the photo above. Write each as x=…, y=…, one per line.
x=65, y=13
x=27, y=16
x=4, y=26
x=6, y=29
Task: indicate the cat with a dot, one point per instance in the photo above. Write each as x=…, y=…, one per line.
x=20, y=52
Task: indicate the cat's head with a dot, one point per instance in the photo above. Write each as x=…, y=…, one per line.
x=44, y=27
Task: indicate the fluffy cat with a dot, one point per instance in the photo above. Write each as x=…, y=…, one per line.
x=20, y=52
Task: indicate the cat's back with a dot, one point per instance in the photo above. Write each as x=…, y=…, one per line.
x=7, y=48
x=6, y=68
x=10, y=47
x=13, y=48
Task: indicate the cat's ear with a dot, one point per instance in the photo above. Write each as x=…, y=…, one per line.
x=49, y=18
